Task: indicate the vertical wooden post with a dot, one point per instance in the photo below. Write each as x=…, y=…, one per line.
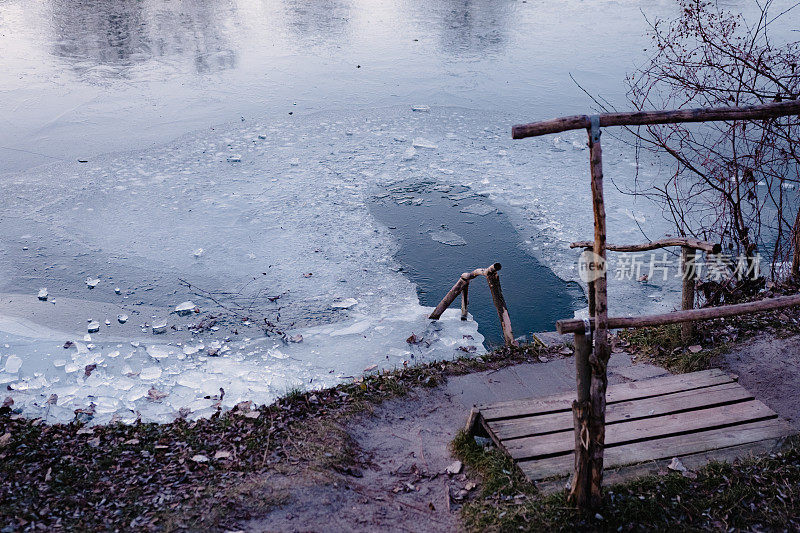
x=581, y=480
x=464, y=301
x=592, y=303
x=687, y=298
x=500, y=303
x=592, y=459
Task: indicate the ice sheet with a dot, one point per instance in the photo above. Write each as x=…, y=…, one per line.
x=286, y=235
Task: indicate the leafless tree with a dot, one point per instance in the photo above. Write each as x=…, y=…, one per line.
x=736, y=182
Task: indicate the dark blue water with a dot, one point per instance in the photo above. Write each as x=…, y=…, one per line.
x=417, y=212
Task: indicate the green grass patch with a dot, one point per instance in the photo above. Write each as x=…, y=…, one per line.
x=759, y=493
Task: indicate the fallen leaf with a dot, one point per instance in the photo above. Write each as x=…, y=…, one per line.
x=414, y=339
x=253, y=414
x=695, y=348
x=222, y=455
x=199, y=458
x=243, y=406
x=676, y=465
x=155, y=395
x=87, y=371
x=5, y=438
x=454, y=468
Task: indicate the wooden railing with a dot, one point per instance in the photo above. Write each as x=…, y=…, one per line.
x=462, y=287
x=592, y=357
x=689, y=248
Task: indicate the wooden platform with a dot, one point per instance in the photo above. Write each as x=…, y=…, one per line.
x=697, y=417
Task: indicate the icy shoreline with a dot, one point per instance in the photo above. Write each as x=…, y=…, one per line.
x=279, y=209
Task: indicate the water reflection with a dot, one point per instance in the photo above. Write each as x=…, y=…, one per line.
x=318, y=22
x=109, y=39
x=469, y=27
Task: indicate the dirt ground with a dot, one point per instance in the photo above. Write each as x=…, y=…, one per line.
x=401, y=483
x=769, y=367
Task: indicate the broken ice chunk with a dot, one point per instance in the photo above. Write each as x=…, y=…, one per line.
x=93, y=327
x=42, y=294
x=191, y=350
x=199, y=252
x=13, y=364
x=478, y=209
x=448, y=237
x=234, y=158
x=421, y=142
x=108, y=322
x=409, y=154
x=122, y=318
x=159, y=327
x=92, y=282
x=262, y=136
x=150, y=372
x=186, y=308
x=117, y=290
x=347, y=303
x=420, y=108
x=158, y=352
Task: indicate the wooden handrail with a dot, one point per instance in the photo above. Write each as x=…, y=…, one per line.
x=574, y=325
x=639, y=118
x=462, y=287
x=652, y=245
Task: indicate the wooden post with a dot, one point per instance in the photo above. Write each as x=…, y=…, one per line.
x=500, y=303
x=687, y=298
x=451, y=295
x=599, y=358
x=581, y=408
x=464, y=301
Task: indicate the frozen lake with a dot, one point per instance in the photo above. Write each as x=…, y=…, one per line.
x=263, y=161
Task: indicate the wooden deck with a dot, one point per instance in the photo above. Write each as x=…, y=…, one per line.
x=697, y=417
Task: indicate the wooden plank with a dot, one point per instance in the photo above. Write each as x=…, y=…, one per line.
x=647, y=428
x=513, y=428
x=694, y=461
x=663, y=448
x=616, y=393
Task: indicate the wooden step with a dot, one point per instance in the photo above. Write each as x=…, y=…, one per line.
x=616, y=393
x=665, y=448
x=676, y=402
x=699, y=416
x=647, y=428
